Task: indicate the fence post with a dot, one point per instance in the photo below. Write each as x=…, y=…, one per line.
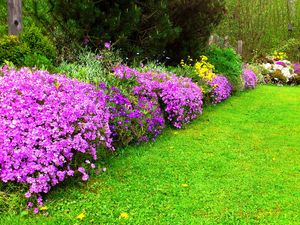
x=211, y=39
x=14, y=16
x=226, y=41
x=240, y=47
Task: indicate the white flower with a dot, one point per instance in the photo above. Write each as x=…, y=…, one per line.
x=286, y=72
x=267, y=66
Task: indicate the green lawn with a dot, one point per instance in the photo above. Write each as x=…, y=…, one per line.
x=239, y=163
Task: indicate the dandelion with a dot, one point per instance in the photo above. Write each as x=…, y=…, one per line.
x=44, y=208
x=124, y=215
x=184, y=185
x=80, y=216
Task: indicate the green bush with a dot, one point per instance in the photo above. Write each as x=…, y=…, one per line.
x=32, y=49
x=92, y=67
x=292, y=48
x=38, y=43
x=12, y=50
x=140, y=29
x=39, y=61
x=228, y=63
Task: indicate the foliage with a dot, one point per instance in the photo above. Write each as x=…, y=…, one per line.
x=38, y=61
x=92, y=67
x=141, y=29
x=38, y=43
x=196, y=19
x=262, y=25
x=31, y=49
x=291, y=47
x=227, y=62
x=12, y=50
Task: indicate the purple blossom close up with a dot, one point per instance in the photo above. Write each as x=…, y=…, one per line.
x=250, y=78
x=221, y=89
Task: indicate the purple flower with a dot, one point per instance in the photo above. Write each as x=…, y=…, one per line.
x=250, y=78
x=221, y=89
x=35, y=210
x=45, y=121
x=99, y=57
x=296, y=68
x=280, y=63
x=107, y=45
x=86, y=40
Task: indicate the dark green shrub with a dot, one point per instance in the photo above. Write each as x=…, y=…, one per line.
x=227, y=62
x=12, y=50
x=140, y=29
x=39, y=61
x=32, y=49
x=196, y=19
x=38, y=43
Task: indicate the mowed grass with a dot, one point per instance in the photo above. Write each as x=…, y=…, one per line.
x=239, y=163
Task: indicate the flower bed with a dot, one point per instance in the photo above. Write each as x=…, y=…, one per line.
x=46, y=121
x=180, y=99
x=221, y=89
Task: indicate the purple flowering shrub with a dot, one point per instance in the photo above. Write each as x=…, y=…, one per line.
x=133, y=120
x=46, y=121
x=180, y=99
x=221, y=89
x=250, y=79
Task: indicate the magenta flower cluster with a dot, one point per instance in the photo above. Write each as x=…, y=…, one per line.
x=45, y=122
x=296, y=67
x=133, y=120
x=221, y=89
x=250, y=79
x=180, y=99
x=51, y=126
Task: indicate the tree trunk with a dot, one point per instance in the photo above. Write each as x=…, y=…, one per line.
x=14, y=17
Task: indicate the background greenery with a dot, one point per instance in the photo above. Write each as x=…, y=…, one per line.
x=262, y=25
x=166, y=30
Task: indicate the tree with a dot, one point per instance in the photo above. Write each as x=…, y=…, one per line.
x=14, y=16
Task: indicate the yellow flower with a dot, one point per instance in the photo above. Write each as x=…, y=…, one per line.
x=44, y=208
x=124, y=215
x=204, y=58
x=184, y=185
x=80, y=216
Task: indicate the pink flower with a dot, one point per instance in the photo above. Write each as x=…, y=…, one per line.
x=85, y=177
x=107, y=45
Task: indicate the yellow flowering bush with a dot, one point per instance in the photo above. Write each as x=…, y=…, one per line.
x=201, y=67
x=279, y=55
x=204, y=69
